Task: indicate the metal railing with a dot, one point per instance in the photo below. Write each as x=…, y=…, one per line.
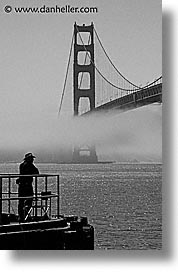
x=9, y=193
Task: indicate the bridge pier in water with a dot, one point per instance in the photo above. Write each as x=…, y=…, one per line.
x=84, y=92
x=91, y=157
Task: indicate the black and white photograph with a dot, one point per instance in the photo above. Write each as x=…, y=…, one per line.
x=81, y=125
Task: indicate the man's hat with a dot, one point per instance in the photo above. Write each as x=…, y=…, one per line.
x=29, y=155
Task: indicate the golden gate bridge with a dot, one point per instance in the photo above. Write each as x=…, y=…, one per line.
x=97, y=84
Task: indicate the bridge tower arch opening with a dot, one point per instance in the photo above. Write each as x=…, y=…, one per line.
x=84, y=46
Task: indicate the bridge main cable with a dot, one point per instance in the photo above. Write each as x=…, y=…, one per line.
x=113, y=85
x=140, y=88
x=65, y=81
x=112, y=62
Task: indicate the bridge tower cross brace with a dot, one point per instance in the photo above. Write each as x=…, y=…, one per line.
x=79, y=92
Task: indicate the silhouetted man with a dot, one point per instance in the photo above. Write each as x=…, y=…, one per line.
x=25, y=185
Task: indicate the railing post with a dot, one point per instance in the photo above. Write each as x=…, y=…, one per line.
x=9, y=194
x=46, y=189
x=0, y=200
x=36, y=197
x=58, y=201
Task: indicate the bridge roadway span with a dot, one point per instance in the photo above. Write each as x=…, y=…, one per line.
x=131, y=101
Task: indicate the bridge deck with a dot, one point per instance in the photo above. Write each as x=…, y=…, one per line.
x=133, y=100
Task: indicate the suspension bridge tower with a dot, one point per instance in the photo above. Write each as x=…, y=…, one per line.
x=84, y=92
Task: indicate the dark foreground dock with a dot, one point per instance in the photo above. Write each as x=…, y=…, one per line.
x=66, y=233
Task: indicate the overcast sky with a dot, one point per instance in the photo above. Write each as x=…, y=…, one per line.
x=34, y=50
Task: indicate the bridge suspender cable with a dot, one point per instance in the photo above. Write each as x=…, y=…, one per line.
x=65, y=81
x=140, y=88
x=112, y=62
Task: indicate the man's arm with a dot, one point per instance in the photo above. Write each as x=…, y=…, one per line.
x=36, y=171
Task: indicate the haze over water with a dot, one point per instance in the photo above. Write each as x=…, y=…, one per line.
x=127, y=136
